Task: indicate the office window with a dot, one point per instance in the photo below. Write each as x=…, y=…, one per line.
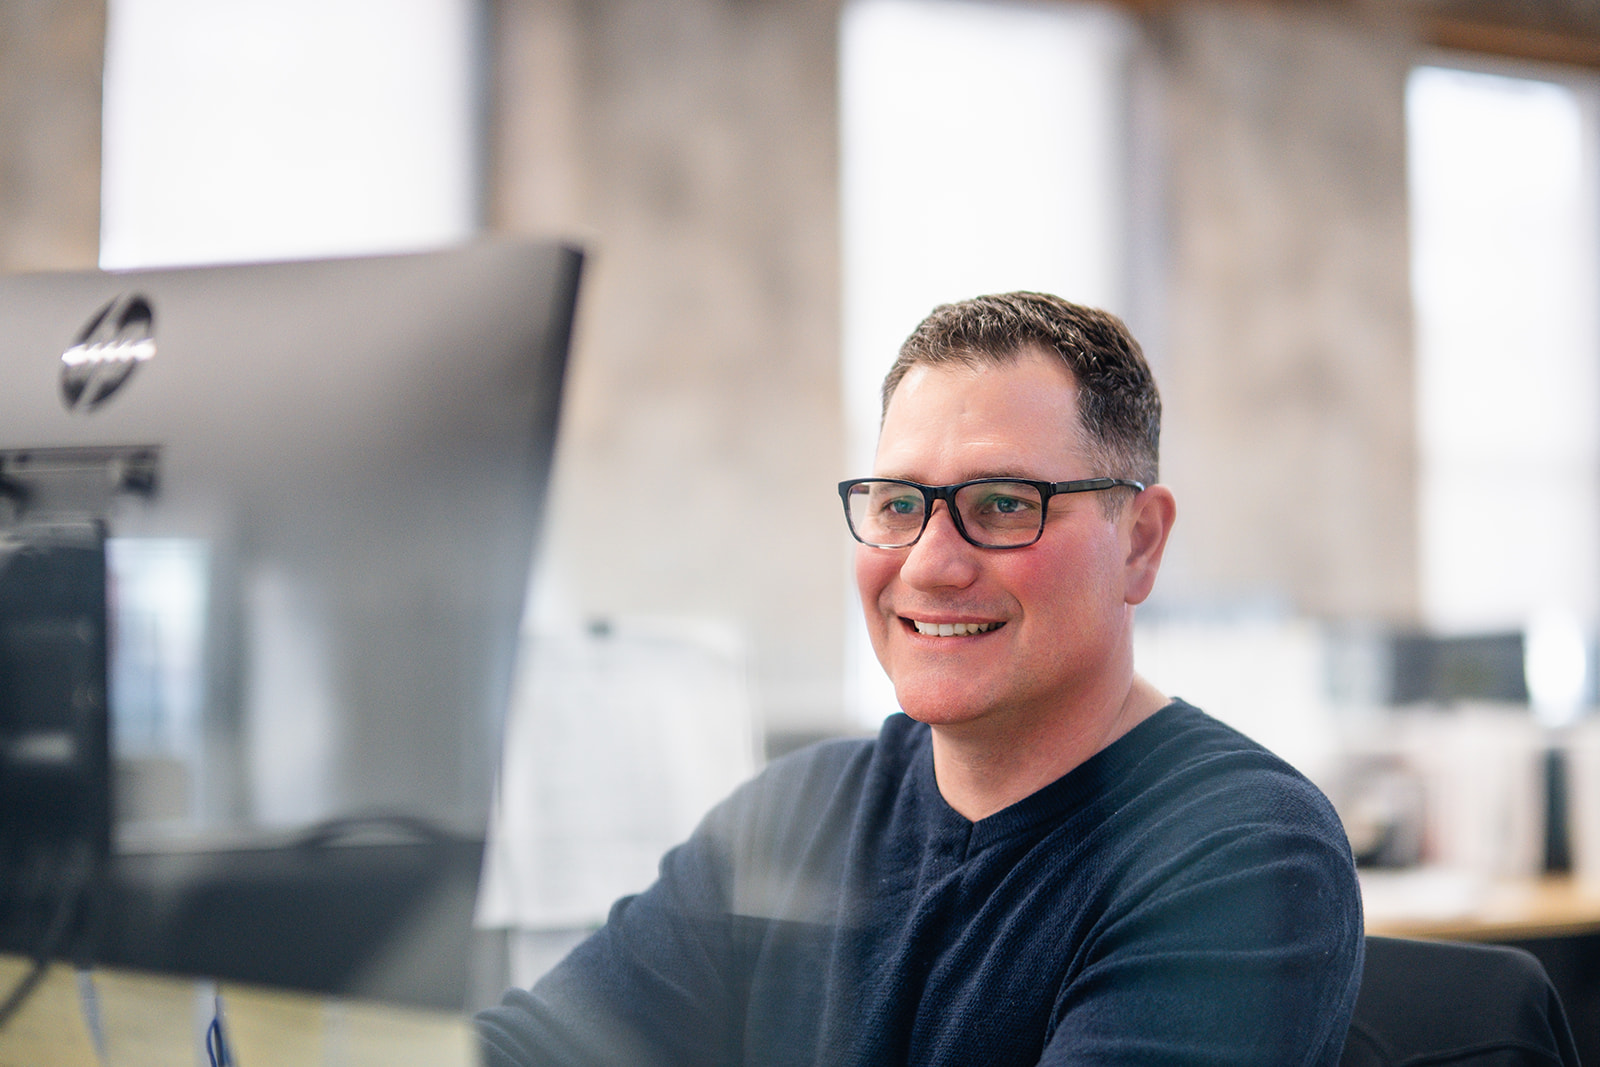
x=1505, y=279
x=272, y=129
x=260, y=130
x=983, y=150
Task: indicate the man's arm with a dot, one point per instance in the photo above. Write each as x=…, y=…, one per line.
x=1244, y=947
x=667, y=979
x=653, y=986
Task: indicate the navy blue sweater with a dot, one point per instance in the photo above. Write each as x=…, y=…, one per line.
x=1183, y=897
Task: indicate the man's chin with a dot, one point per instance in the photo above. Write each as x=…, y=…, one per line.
x=938, y=708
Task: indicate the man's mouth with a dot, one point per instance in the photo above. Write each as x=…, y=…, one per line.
x=952, y=629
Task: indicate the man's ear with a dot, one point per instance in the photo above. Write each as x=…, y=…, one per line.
x=1148, y=520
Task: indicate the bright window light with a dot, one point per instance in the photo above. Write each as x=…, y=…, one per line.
x=273, y=129
x=1508, y=390
x=982, y=151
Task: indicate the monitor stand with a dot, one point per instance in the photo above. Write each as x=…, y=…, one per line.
x=55, y=803
x=55, y=745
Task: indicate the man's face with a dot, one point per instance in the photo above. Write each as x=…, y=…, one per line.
x=1058, y=612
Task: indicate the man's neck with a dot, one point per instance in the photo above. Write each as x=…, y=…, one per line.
x=984, y=768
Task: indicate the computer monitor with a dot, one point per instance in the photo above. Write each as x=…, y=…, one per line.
x=319, y=486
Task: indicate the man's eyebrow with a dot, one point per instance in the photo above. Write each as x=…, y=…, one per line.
x=973, y=476
x=1012, y=474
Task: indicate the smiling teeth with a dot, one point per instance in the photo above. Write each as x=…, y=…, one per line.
x=952, y=629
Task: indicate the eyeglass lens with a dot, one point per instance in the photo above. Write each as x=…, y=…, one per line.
x=998, y=514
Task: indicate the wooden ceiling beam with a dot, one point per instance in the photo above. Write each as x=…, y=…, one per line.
x=1505, y=30
x=1513, y=42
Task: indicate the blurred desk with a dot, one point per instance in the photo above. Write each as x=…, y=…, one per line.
x=159, y=1021
x=1450, y=905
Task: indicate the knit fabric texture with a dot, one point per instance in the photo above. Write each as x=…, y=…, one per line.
x=1183, y=897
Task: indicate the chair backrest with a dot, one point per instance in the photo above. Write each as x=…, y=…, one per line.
x=1446, y=1003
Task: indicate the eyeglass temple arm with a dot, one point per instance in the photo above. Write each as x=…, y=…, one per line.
x=1089, y=485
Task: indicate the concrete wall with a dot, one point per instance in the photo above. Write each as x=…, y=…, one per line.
x=1287, y=358
x=691, y=144
x=50, y=61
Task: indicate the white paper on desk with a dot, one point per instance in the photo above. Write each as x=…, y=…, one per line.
x=1420, y=894
x=1483, y=773
x=1583, y=801
x=617, y=743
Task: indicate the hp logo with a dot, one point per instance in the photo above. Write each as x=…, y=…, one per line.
x=109, y=349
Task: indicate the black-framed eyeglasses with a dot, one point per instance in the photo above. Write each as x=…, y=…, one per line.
x=988, y=512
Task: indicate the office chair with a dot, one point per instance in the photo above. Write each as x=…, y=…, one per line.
x=1443, y=1003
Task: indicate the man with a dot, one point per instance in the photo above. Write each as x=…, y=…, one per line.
x=1044, y=860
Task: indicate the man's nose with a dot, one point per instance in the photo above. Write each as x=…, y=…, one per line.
x=941, y=558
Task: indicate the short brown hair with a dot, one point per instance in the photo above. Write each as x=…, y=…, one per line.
x=1118, y=405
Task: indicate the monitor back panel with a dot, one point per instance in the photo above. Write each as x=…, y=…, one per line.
x=321, y=484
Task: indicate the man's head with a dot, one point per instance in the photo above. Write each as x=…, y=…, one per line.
x=991, y=389
x=1119, y=410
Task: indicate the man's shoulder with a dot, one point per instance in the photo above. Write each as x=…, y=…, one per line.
x=1191, y=772
x=827, y=787
x=1182, y=739
x=846, y=760
x=1181, y=719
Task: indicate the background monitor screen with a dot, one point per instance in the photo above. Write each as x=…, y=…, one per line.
x=319, y=485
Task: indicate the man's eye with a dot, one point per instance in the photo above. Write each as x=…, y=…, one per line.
x=1002, y=504
x=903, y=505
